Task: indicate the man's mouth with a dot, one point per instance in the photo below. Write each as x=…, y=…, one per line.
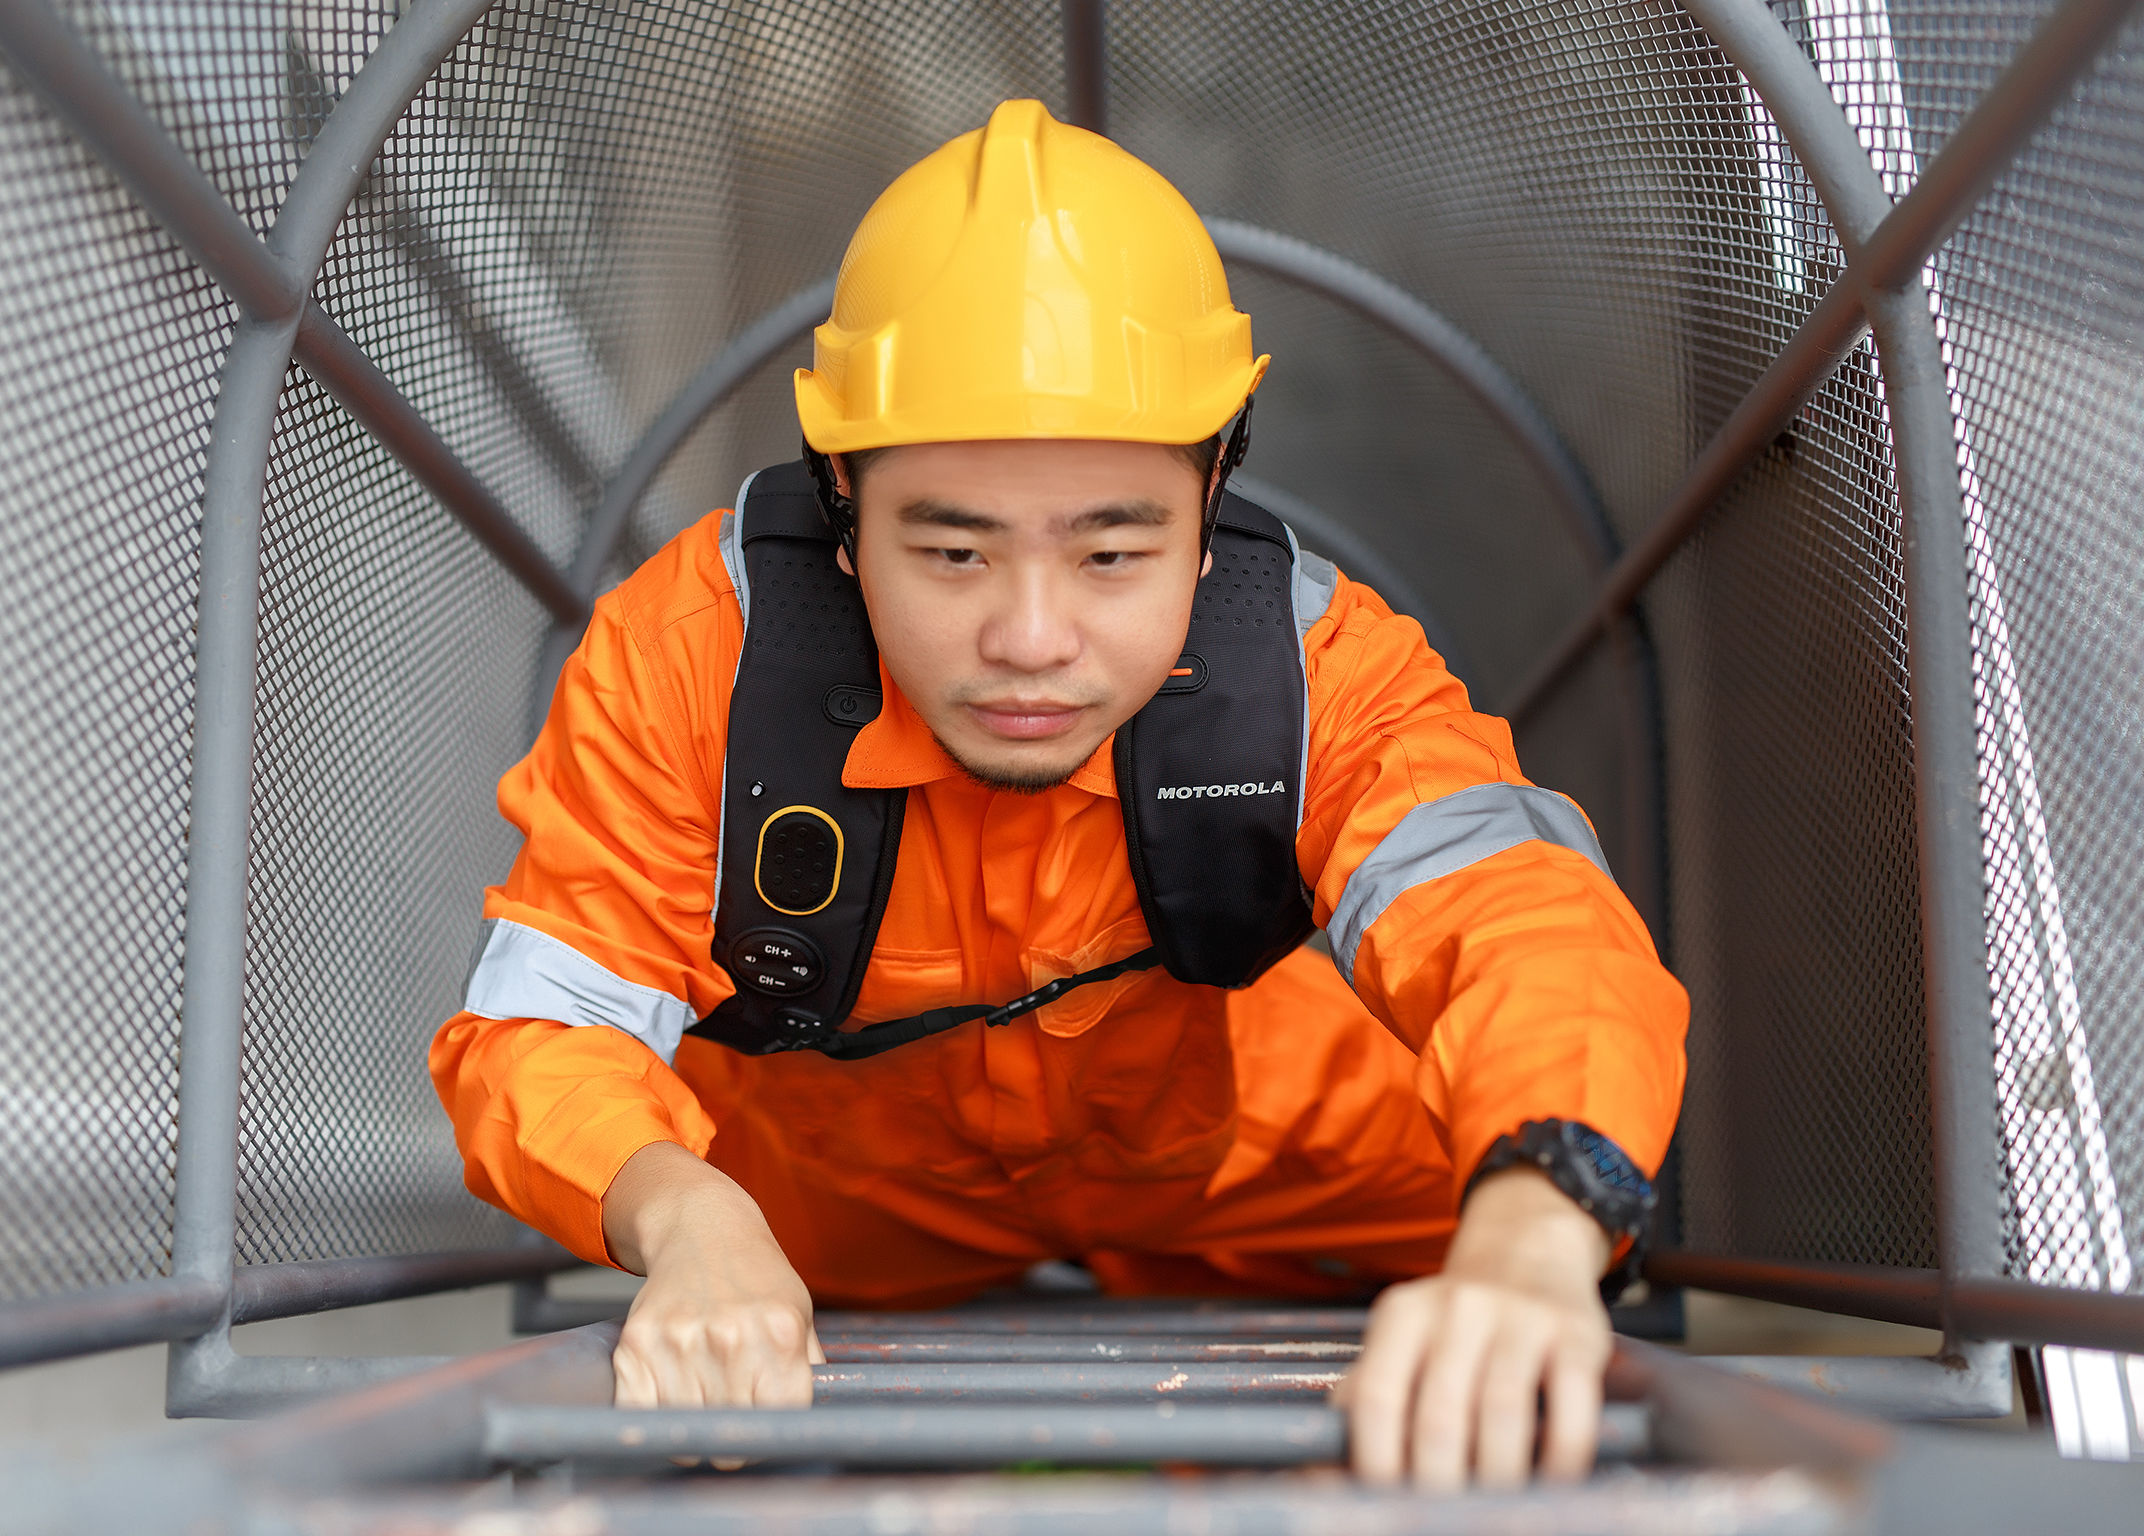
x=1025, y=720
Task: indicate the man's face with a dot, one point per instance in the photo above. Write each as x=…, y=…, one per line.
x=1028, y=597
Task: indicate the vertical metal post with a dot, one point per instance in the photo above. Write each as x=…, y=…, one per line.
x=1087, y=63
x=220, y=813
x=219, y=826
x=1946, y=771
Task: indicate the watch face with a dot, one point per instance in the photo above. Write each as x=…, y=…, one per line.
x=1609, y=1163
x=1594, y=1171
x=1585, y=1165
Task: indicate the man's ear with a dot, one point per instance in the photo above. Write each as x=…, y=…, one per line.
x=841, y=558
x=839, y=463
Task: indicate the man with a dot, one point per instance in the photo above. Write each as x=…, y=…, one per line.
x=1014, y=434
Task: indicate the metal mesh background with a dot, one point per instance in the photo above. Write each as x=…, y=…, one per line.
x=2042, y=296
x=394, y=655
x=217, y=76
x=112, y=342
x=586, y=203
x=1792, y=854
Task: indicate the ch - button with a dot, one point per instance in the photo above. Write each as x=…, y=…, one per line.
x=776, y=962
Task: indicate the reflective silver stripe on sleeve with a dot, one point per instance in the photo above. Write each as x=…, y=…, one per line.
x=526, y=974
x=1446, y=836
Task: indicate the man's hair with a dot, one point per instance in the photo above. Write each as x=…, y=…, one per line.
x=1198, y=457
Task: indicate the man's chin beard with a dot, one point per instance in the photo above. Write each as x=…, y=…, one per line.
x=1019, y=781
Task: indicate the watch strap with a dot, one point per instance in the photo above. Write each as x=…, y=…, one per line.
x=1597, y=1175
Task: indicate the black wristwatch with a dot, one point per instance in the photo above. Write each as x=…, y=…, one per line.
x=1594, y=1172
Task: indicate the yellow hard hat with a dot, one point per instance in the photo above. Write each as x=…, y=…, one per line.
x=1029, y=279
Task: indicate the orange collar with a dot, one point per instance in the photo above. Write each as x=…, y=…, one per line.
x=898, y=751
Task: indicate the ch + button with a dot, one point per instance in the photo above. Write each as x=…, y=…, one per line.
x=777, y=963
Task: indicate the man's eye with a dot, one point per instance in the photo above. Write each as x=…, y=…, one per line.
x=958, y=556
x=1109, y=558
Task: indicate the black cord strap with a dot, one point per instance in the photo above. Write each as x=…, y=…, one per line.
x=874, y=1038
x=1232, y=452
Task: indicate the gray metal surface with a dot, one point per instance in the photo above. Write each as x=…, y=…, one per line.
x=2047, y=1314
x=723, y=375
x=456, y=1420
x=153, y=1311
x=961, y=1436
x=1569, y=493
x=207, y=1379
x=943, y=1436
x=2018, y=104
x=1098, y=1381
x=427, y=1427
x=1931, y=566
x=365, y=392
x=974, y=1348
x=1161, y=1319
x=269, y=281
x=82, y=1322
x=1887, y=1293
x=1974, y=1384
x=261, y=1291
x=219, y=806
x=1087, y=64
x=1715, y=1453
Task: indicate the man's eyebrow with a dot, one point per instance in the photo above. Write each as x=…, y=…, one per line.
x=926, y=513
x=1142, y=513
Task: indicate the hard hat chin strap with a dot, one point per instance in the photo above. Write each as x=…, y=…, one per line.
x=838, y=510
x=1239, y=443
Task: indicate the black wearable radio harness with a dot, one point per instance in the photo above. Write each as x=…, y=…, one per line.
x=1209, y=775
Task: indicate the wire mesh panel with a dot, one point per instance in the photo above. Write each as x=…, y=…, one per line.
x=239, y=84
x=393, y=658
x=2042, y=311
x=1792, y=854
x=1540, y=174
x=1792, y=847
x=112, y=342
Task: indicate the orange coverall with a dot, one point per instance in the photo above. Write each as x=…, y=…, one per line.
x=1284, y=1137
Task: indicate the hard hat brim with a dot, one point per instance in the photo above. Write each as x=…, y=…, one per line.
x=829, y=429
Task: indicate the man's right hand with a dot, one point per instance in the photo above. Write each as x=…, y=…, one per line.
x=723, y=1321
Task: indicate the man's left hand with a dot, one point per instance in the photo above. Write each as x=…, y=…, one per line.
x=1465, y=1370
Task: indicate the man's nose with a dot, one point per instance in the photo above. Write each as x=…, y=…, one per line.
x=1034, y=627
